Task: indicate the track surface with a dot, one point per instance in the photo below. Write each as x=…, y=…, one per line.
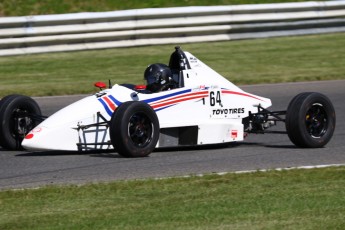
x=32, y=169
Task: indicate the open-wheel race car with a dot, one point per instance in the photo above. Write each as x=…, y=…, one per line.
x=185, y=103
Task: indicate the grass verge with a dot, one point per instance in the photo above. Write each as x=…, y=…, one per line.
x=287, y=59
x=294, y=199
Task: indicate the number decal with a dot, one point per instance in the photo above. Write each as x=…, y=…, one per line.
x=218, y=100
x=212, y=99
x=215, y=98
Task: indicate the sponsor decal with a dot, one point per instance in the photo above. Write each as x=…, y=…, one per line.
x=193, y=59
x=31, y=134
x=234, y=134
x=200, y=88
x=36, y=130
x=227, y=111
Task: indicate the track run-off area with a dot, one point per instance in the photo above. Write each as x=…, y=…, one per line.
x=22, y=169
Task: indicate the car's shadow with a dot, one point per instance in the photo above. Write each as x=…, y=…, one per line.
x=98, y=153
x=114, y=154
x=278, y=146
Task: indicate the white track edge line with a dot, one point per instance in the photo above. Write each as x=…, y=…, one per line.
x=207, y=174
x=254, y=171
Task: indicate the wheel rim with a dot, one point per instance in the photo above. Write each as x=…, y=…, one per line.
x=140, y=129
x=316, y=120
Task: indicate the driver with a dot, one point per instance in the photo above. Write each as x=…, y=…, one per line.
x=159, y=78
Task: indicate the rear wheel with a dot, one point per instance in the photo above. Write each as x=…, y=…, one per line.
x=134, y=129
x=310, y=120
x=16, y=120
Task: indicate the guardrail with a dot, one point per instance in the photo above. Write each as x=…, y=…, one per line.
x=84, y=31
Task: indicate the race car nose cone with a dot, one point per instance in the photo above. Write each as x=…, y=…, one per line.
x=44, y=138
x=28, y=144
x=33, y=140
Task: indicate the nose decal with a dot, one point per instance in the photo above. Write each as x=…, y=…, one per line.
x=29, y=136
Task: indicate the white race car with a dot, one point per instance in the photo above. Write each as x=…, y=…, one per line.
x=184, y=104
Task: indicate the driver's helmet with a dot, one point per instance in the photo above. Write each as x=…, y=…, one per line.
x=158, y=77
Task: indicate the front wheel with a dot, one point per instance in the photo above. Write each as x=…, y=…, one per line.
x=17, y=114
x=310, y=120
x=134, y=129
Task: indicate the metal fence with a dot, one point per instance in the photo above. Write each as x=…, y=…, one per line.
x=86, y=31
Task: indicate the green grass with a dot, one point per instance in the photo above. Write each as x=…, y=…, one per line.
x=287, y=59
x=36, y=7
x=295, y=199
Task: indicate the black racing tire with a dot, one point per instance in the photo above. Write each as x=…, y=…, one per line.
x=310, y=120
x=15, y=121
x=134, y=129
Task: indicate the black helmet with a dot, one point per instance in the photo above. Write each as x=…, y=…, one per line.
x=157, y=76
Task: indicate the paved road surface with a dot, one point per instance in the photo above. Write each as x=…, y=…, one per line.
x=27, y=169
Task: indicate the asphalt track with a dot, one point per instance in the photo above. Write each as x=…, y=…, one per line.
x=268, y=151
